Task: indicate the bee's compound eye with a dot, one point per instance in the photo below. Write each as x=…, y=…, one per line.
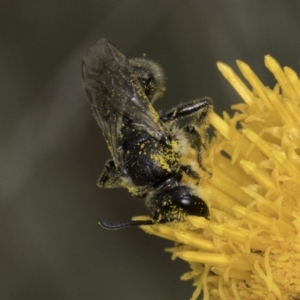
x=193, y=205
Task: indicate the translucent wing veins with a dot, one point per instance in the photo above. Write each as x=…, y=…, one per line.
x=115, y=93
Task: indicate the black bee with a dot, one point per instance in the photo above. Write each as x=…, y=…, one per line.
x=145, y=146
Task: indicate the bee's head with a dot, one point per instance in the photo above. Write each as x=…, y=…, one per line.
x=167, y=206
x=176, y=202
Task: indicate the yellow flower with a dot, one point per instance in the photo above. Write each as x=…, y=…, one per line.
x=250, y=247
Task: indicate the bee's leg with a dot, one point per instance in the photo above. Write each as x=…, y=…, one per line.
x=190, y=172
x=199, y=108
x=196, y=142
x=110, y=176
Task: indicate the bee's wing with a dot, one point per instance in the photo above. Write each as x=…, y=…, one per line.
x=114, y=93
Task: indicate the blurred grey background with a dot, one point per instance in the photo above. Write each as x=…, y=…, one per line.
x=52, y=152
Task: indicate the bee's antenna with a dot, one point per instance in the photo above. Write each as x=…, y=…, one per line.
x=120, y=225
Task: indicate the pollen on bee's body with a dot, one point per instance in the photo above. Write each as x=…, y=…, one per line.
x=161, y=161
